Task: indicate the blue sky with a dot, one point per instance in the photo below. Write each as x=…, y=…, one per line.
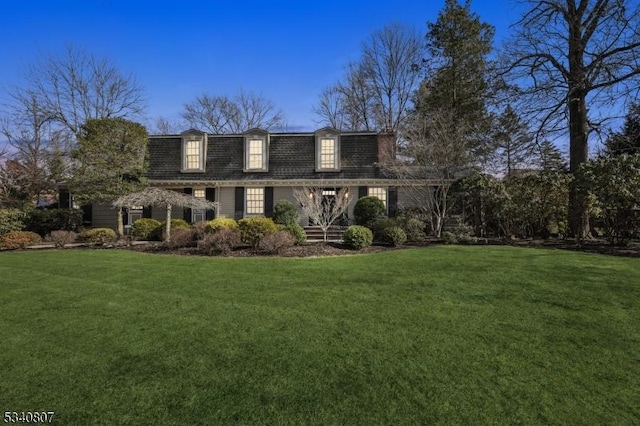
x=288, y=51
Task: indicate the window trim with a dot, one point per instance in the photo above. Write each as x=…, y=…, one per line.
x=201, y=138
x=264, y=138
x=201, y=212
x=246, y=201
x=321, y=136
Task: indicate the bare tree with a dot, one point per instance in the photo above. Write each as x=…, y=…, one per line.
x=76, y=86
x=376, y=91
x=165, y=126
x=28, y=133
x=222, y=114
x=436, y=154
x=321, y=209
x=573, y=61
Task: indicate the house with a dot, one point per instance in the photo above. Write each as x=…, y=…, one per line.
x=248, y=173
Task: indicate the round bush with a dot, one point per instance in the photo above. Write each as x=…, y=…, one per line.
x=285, y=213
x=220, y=242
x=175, y=225
x=357, y=237
x=19, y=239
x=253, y=229
x=297, y=232
x=146, y=228
x=380, y=225
x=221, y=223
x=394, y=235
x=367, y=210
x=99, y=235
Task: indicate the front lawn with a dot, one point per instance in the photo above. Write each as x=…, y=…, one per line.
x=464, y=335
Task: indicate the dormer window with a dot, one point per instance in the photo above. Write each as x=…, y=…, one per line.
x=256, y=151
x=327, y=150
x=194, y=145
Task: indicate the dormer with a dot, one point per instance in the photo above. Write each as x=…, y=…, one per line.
x=327, y=150
x=194, y=151
x=256, y=150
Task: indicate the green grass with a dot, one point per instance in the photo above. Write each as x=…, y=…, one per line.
x=460, y=335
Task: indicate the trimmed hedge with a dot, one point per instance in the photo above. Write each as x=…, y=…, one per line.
x=221, y=223
x=357, y=237
x=253, y=229
x=45, y=221
x=99, y=235
x=146, y=229
x=394, y=235
x=19, y=239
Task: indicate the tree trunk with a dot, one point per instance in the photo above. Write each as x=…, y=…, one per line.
x=167, y=232
x=578, y=141
x=120, y=223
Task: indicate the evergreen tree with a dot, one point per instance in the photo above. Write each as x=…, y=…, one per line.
x=111, y=159
x=513, y=141
x=551, y=159
x=628, y=140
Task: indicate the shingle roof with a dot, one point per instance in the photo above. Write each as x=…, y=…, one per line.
x=291, y=156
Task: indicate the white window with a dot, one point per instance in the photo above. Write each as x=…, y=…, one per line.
x=254, y=200
x=381, y=193
x=329, y=192
x=256, y=154
x=198, y=215
x=193, y=151
x=328, y=153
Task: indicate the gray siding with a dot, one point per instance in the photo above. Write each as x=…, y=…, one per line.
x=104, y=216
x=227, y=199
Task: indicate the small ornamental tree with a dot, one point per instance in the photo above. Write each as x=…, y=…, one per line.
x=322, y=210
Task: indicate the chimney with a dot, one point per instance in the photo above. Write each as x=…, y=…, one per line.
x=386, y=146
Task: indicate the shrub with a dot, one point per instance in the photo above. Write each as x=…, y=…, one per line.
x=274, y=242
x=200, y=229
x=461, y=234
x=11, y=220
x=175, y=225
x=253, y=229
x=20, y=239
x=394, y=235
x=220, y=242
x=45, y=221
x=61, y=237
x=367, y=210
x=285, y=213
x=182, y=237
x=414, y=229
x=297, y=232
x=221, y=223
x=146, y=229
x=99, y=235
x=357, y=237
x=380, y=225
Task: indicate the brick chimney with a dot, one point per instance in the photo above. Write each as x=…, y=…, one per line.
x=386, y=146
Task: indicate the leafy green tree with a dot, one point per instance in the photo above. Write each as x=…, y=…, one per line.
x=615, y=184
x=626, y=141
x=110, y=161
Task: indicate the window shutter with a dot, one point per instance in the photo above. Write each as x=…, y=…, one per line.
x=146, y=212
x=239, y=210
x=362, y=191
x=392, y=195
x=125, y=216
x=63, y=199
x=186, y=213
x=268, y=201
x=87, y=214
x=210, y=195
